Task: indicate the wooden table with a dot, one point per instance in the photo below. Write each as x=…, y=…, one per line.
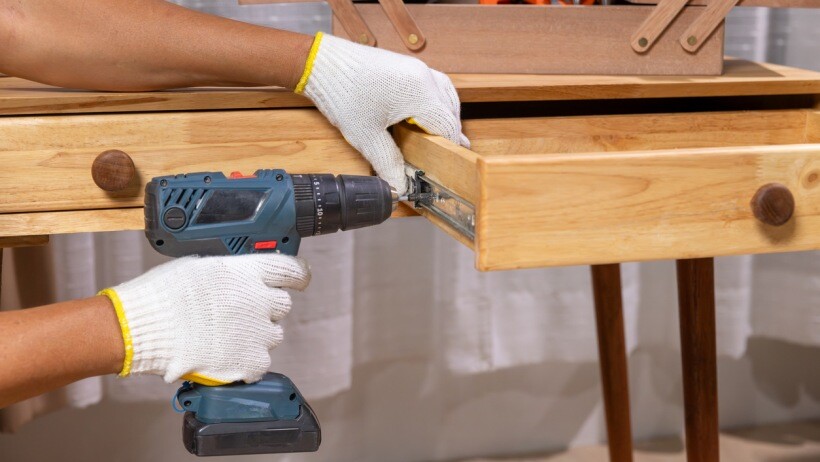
x=563, y=170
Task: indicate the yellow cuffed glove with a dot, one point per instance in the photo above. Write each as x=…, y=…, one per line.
x=207, y=319
x=364, y=90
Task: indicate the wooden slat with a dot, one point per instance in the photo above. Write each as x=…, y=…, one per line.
x=13, y=226
x=741, y=78
x=73, y=221
x=352, y=21
x=567, y=209
x=609, y=324
x=697, y=34
x=404, y=23
x=657, y=22
x=47, y=160
x=23, y=241
x=492, y=137
x=766, y=3
x=535, y=39
x=696, y=305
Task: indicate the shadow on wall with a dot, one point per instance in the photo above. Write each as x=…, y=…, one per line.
x=783, y=381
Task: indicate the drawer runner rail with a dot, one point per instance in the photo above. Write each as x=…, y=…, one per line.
x=455, y=211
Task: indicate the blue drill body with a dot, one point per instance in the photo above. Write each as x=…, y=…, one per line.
x=270, y=211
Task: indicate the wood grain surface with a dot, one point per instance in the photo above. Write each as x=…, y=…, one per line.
x=696, y=303
x=740, y=78
x=653, y=26
x=565, y=209
x=606, y=189
x=609, y=322
x=16, y=226
x=699, y=31
x=533, y=39
x=47, y=160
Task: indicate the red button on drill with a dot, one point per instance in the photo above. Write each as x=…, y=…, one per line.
x=239, y=175
x=262, y=245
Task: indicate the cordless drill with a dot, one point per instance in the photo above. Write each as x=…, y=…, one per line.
x=269, y=211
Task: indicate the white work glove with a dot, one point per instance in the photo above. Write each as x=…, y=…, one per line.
x=363, y=90
x=211, y=320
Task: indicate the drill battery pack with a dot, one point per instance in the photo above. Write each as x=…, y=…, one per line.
x=266, y=417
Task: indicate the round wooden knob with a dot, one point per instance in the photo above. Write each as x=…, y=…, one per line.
x=113, y=170
x=773, y=204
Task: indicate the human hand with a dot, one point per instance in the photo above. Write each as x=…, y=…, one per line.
x=211, y=320
x=364, y=90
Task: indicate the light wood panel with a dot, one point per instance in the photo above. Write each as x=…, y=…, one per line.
x=47, y=160
x=493, y=137
x=567, y=209
x=16, y=228
x=740, y=78
x=71, y=221
x=532, y=39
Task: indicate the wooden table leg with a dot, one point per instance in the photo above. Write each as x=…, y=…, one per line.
x=696, y=300
x=606, y=286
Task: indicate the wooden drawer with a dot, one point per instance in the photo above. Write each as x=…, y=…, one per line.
x=46, y=185
x=47, y=160
x=605, y=189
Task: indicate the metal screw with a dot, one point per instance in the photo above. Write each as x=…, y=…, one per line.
x=643, y=42
x=279, y=177
x=163, y=183
x=186, y=403
x=692, y=40
x=207, y=180
x=413, y=39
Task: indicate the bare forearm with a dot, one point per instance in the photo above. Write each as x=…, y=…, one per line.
x=142, y=45
x=44, y=348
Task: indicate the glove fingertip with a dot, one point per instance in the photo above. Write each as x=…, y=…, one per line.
x=464, y=141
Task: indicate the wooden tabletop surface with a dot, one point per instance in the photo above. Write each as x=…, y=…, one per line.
x=741, y=78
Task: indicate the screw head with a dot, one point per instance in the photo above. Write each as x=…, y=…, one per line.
x=279, y=177
x=643, y=42
x=163, y=183
x=692, y=40
x=413, y=39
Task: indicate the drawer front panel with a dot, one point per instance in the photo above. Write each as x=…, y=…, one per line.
x=47, y=161
x=547, y=210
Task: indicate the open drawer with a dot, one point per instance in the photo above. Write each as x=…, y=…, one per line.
x=605, y=189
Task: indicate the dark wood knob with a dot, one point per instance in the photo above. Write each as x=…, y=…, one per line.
x=113, y=170
x=773, y=204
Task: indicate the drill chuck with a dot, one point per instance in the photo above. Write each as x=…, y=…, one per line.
x=326, y=203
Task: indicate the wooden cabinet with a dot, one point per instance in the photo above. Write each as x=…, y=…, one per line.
x=603, y=189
